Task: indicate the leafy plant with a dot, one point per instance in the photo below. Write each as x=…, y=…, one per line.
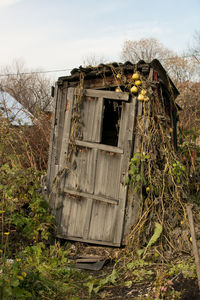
x=135, y=176
x=95, y=285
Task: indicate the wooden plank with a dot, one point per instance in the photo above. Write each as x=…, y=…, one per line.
x=81, y=173
x=91, y=118
x=102, y=147
x=138, y=137
x=130, y=112
x=133, y=203
x=61, y=119
x=91, y=196
x=51, y=145
x=77, y=215
x=107, y=175
x=98, y=219
x=89, y=259
x=54, y=163
x=99, y=119
x=123, y=124
x=104, y=94
x=66, y=128
x=89, y=208
x=72, y=238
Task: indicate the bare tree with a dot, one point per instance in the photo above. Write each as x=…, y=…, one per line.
x=181, y=69
x=194, y=49
x=31, y=89
x=145, y=49
x=93, y=60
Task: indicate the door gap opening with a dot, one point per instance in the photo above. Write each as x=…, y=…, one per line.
x=111, y=122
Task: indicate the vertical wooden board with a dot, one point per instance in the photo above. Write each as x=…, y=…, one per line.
x=102, y=222
x=54, y=157
x=138, y=138
x=111, y=222
x=61, y=120
x=51, y=158
x=66, y=212
x=123, y=124
x=81, y=175
x=128, y=148
x=58, y=115
x=66, y=128
x=81, y=218
x=88, y=215
x=133, y=202
x=92, y=119
x=97, y=221
x=74, y=216
x=107, y=174
x=51, y=144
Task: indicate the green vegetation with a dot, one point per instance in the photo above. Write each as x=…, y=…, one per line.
x=34, y=265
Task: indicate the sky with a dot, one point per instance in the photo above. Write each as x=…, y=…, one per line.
x=60, y=34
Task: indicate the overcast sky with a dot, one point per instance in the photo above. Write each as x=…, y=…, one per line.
x=58, y=34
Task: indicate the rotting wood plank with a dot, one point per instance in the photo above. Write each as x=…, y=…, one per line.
x=91, y=196
x=53, y=160
x=90, y=202
x=61, y=119
x=133, y=203
x=91, y=119
x=107, y=175
x=81, y=173
x=89, y=207
x=99, y=146
x=105, y=94
x=128, y=146
x=66, y=128
x=72, y=238
x=101, y=218
x=138, y=138
x=51, y=147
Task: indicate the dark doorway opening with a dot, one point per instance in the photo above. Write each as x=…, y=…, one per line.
x=111, y=122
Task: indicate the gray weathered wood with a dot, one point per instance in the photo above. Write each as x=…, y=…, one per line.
x=60, y=121
x=51, y=147
x=105, y=94
x=128, y=148
x=81, y=172
x=66, y=128
x=92, y=119
x=63, y=235
x=138, y=137
x=91, y=196
x=102, y=147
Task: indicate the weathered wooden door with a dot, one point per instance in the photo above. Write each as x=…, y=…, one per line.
x=92, y=198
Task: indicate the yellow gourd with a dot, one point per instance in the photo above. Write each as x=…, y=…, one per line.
x=135, y=76
x=143, y=92
x=118, y=90
x=140, y=97
x=146, y=98
x=138, y=82
x=134, y=89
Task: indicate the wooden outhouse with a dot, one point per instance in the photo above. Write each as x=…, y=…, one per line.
x=92, y=141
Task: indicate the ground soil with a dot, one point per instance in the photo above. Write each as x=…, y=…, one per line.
x=187, y=286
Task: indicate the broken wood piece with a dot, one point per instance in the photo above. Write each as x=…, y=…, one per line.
x=194, y=242
x=96, y=265
x=89, y=259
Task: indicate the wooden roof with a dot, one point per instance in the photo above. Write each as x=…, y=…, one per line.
x=124, y=68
